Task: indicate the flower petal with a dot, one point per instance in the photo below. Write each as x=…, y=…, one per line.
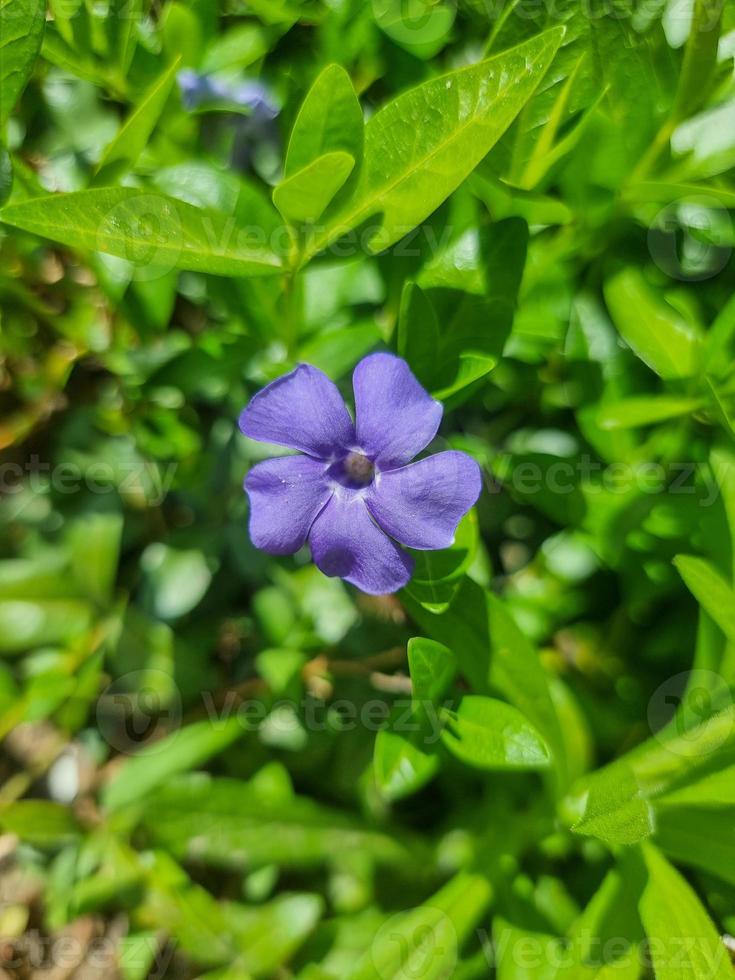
x=396, y=418
x=345, y=541
x=286, y=494
x=421, y=505
x=303, y=410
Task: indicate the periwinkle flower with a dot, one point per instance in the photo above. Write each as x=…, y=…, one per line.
x=253, y=131
x=355, y=495
x=204, y=90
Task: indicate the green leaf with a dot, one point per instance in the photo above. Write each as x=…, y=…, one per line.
x=517, y=671
x=146, y=228
x=268, y=936
x=418, y=333
x=654, y=330
x=711, y=590
x=175, y=581
x=631, y=413
x=474, y=328
x=513, y=944
x=493, y=652
x=135, y=132
x=720, y=335
x=477, y=328
x=248, y=828
x=44, y=577
x=432, y=667
x=40, y=822
x=94, y=544
x=178, y=752
x=404, y=761
x=21, y=32
x=425, y=941
x=25, y=625
x=404, y=757
x=615, y=810
x=337, y=351
x=604, y=942
x=123, y=18
x=424, y=143
x=419, y=26
x=250, y=940
x=491, y=734
x=700, y=837
x=303, y=196
x=438, y=574
x=700, y=57
x=329, y=120
x=685, y=943
x=621, y=800
x=715, y=790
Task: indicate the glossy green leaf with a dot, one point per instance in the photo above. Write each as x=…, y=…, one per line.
x=337, y=351
x=708, y=586
x=698, y=837
x=423, y=144
x=630, y=413
x=418, y=333
x=438, y=574
x=432, y=667
x=657, y=334
x=684, y=940
x=146, y=228
x=492, y=651
x=615, y=810
x=715, y=790
x=404, y=758
x=303, y=196
x=490, y=734
x=21, y=32
x=329, y=121
x=135, y=132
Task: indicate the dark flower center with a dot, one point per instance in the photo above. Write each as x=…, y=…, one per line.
x=358, y=468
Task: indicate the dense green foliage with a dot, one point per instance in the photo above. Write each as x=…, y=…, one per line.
x=218, y=763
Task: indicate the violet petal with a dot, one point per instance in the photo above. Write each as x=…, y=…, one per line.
x=395, y=417
x=421, y=505
x=286, y=494
x=345, y=542
x=302, y=410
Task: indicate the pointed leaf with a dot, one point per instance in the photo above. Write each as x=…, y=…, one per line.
x=146, y=228
x=685, y=942
x=491, y=734
x=330, y=119
x=305, y=194
x=711, y=590
x=423, y=144
x=654, y=330
x=21, y=32
x=135, y=132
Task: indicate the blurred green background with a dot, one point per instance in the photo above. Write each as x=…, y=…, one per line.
x=217, y=763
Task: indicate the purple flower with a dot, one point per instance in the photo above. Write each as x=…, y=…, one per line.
x=203, y=90
x=352, y=495
x=254, y=132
